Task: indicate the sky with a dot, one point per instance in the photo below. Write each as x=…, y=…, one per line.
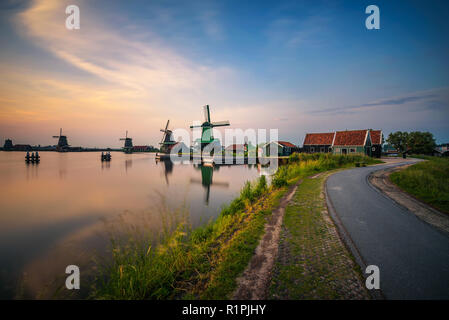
x=296, y=66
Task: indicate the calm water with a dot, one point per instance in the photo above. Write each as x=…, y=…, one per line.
x=61, y=211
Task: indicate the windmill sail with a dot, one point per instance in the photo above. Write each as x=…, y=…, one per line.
x=221, y=123
x=207, y=135
x=165, y=131
x=167, y=140
x=206, y=113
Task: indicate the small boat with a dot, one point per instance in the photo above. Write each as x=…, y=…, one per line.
x=105, y=156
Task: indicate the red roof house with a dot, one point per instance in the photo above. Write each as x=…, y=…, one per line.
x=376, y=136
x=352, y=141
x=351, y=138
x=319, y=138
x=318, y=142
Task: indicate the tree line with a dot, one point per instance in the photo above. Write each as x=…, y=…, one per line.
x=412, y=142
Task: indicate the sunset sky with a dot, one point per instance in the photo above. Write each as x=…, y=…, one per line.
x=299, y=66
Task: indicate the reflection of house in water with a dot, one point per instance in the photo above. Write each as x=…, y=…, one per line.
x=207, y=172
x=168, y=167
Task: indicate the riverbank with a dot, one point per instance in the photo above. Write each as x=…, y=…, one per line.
x=204, y=263
x=427, y=181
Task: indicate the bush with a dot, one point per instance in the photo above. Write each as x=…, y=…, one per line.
x=261, y=187
x=280, y=177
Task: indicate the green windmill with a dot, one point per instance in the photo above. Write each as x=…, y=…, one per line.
x=207, y=135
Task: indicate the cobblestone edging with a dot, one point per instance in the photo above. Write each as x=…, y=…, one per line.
x=313, y=262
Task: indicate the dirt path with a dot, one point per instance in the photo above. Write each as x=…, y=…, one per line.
x=255, y=280
x=381, y=180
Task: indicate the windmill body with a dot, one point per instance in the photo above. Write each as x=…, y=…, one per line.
x=63, y=144
x=128, y=147
x=167, y=141
x=207, y=135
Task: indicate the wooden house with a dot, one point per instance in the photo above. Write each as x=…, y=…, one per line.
x=352, y=142
x=376, y=143
x=236, y=149
x=318, y=142
x=283, y=148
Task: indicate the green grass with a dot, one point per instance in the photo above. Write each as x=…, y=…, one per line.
x=204, y=263
x=427, y=181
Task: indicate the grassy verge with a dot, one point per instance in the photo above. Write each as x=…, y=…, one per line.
x=204, y=263
x=427, y=181
x=313, y=263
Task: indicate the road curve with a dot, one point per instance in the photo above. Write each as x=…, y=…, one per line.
x=413, y=257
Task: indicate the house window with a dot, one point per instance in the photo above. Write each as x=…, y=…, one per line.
x=352, y=150
x=322, y=149
x=312, y=149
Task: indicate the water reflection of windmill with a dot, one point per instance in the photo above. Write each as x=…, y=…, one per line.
x=207, y=172
x=168, y=167
x=207, y=135
x=167, y=141
x=128, y=147
x=63, y=145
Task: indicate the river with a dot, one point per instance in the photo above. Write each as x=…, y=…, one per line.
x=61, y=211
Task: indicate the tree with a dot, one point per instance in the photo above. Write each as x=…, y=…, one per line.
x=398, y=140
x=413, y=142
x=421, y=142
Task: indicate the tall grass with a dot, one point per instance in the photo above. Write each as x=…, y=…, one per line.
x=427, y=180
x=303, y=164
x=204, y=263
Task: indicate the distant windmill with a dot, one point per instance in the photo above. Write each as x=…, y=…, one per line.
x=62, y=141
x=128, y=147
x=167, y=139
x=207, y=135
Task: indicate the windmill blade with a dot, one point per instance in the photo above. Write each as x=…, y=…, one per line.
x=206, y=113
x=55, y=136
x=168, y=121
x=163, y=138
x=220, y=123
x=60, y=131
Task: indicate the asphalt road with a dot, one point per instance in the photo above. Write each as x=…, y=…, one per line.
x=413, y=257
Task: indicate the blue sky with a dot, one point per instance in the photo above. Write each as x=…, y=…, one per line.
x=300, y=66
